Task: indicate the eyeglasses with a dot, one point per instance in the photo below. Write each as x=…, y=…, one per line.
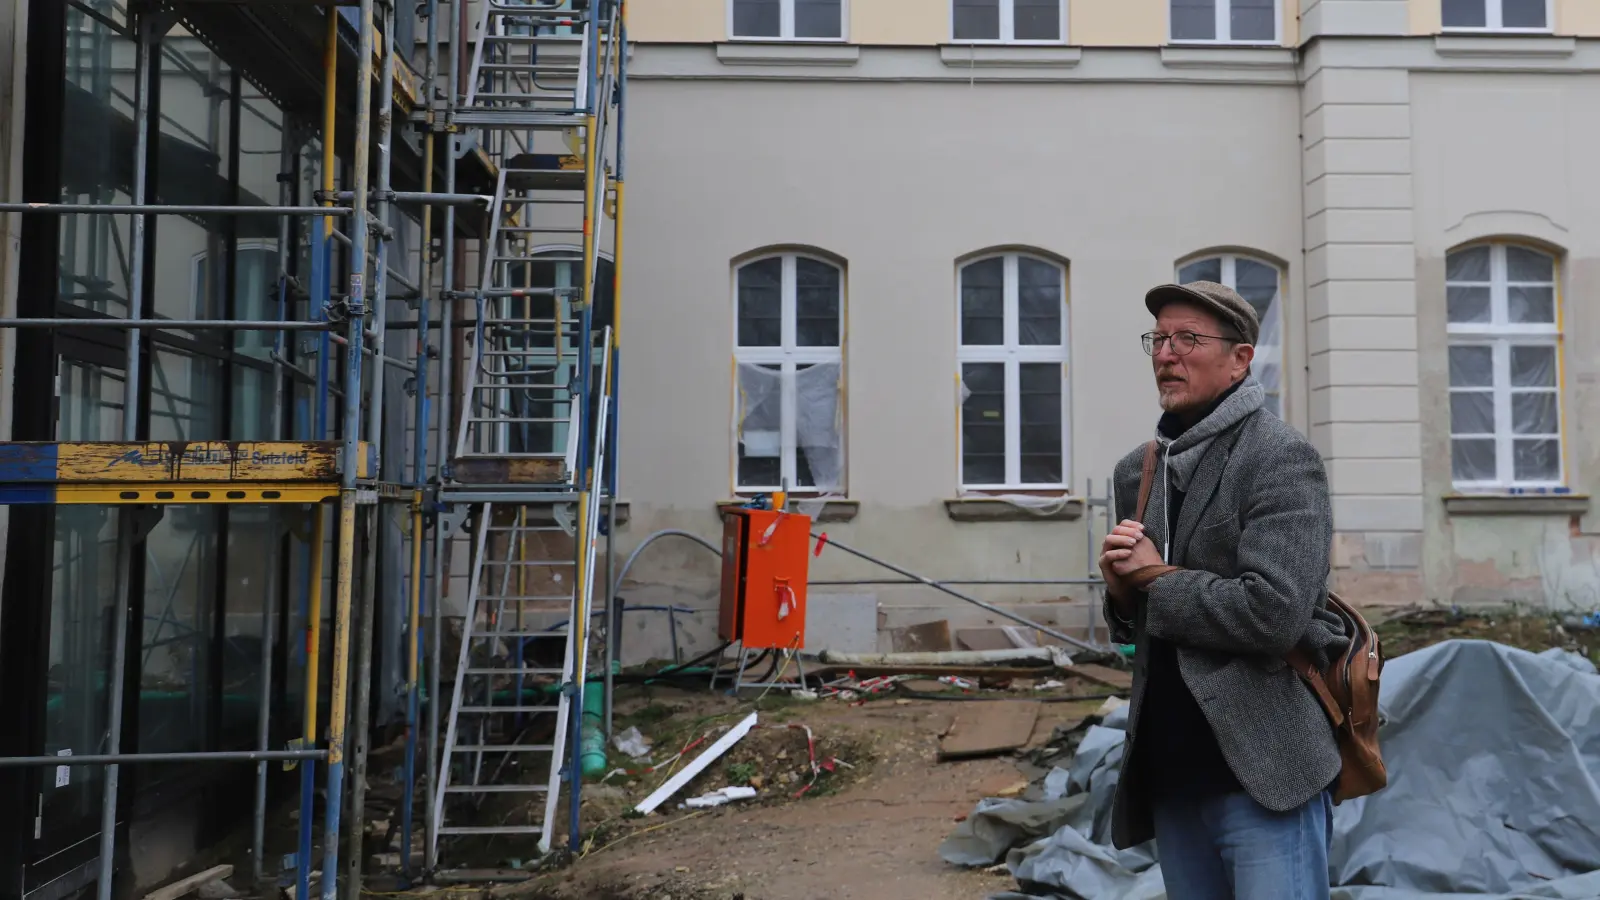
x=1183, y=342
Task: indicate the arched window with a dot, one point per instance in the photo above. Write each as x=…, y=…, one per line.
x=1258, y=282
x=1012, y=349
x=1503, y=316
x=788, y=349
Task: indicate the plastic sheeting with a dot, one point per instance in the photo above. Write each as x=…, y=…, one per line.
x=1493, y=756
x=764, y=393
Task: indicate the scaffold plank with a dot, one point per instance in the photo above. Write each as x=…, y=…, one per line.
x=149, y=463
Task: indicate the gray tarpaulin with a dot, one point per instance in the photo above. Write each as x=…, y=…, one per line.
x=1493, y=757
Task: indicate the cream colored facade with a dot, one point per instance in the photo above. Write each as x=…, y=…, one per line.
x=1353, y=159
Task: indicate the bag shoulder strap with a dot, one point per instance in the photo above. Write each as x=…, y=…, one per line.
x=1147, y=476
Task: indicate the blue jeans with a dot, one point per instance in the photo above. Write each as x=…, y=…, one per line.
x=1229, y=847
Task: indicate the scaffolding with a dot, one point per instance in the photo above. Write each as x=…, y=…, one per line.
x=533, y=448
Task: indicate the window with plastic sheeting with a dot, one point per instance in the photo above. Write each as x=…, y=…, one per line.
x=1259, y=283
x=1496, y=15
x=789, y=361
x=1224, y=21
x=1019, y=21
x=1503, y=310
x=1012, y=352
x=788, y=20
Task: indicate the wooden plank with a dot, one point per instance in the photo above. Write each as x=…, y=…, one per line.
x=516, y=470
x=927, y=637
x=984, y=729
x=168, y=462
x=1113, y=678
x=183, y=886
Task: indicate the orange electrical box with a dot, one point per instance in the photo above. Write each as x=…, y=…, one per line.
x=764, y=569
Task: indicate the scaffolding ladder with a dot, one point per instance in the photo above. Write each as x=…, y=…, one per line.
x=530, y=448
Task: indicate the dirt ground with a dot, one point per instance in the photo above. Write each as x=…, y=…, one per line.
x=870, y=830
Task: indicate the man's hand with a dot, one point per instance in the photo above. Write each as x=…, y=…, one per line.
x=1125, y=550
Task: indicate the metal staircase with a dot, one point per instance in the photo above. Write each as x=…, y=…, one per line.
x=530, y=448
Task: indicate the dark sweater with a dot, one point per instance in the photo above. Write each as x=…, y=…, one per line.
x=1179, y=752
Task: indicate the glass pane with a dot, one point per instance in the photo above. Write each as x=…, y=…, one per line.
x=761, y=303
x=817, y=290
x=1471, y=366
x=252, y=404
x=175, y=654
x=1253, y=20
x=1469, y=265
x=1466, y=13
x=818, y=19
x=975, y=20
x=1535, y=412
x=185, y=397
x=255, y=295
x=1194, y=20
x=191, y=277
x=1257, y=283
x=252, y=571
x=1536, y=460
x=81, y=620
x=1523, y=264
x=1533, y=366
x=1522, y=14
x=1467, y=304
x=1531, y=305
x=983, y=303
x=1472, y=460
x=98, y=107
x=983, y=424
x=91, y=403
x=1201, y=270
x=757, y=18
x=1036, y=20
x=760, y=426
x=1039, y=302
x=1039, y=420
x=1471, y=412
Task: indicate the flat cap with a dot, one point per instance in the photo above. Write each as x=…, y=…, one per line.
x=1224, y=301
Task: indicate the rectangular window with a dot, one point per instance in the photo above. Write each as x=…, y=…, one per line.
x=1225, y=21
x=788, y=343
x=1496, y=15
x=1258, y=283
x=1023, y=21
x=804, y=20
x=1013, y=355
x=1505, y=361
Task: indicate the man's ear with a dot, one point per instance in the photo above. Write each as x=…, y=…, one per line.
x=1243, y=355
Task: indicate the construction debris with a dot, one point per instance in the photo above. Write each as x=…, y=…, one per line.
x=984, y=729
x=184, y=886
x=687, y=773
x=719, y=797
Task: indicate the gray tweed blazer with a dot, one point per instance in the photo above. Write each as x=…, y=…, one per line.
x=1253, y=539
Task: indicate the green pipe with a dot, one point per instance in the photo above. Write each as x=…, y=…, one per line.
x=594, y=738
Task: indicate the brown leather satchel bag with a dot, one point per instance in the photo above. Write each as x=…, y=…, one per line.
x=1347, y=688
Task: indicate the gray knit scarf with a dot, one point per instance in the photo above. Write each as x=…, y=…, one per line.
x=1181, y=456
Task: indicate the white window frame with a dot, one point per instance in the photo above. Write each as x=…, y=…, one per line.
x=1494, y=14
x=1008, y=27
x=786, y=26
x=1224, y=26
x=788, y=355
x=1230, y=277
x=1013, y=354
x=1500, y=335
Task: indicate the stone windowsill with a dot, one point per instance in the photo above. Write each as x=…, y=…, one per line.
x=1227, y=56
x=833, y=510
x=787, y=53
x=1504, y=46
x=993, y=509
x=1516, y=504
x=1009, y=56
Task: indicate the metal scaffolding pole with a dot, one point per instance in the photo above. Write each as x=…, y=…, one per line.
x=419, y=460
x=369, y=582
x=127, y=519
x=355, y=314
